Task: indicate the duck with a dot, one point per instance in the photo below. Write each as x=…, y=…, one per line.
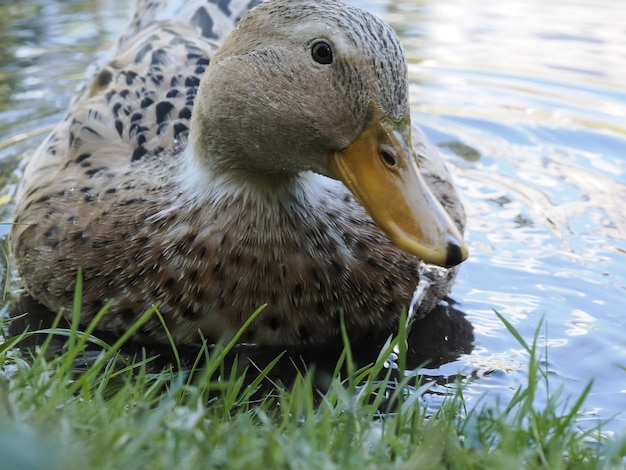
x=233, y=155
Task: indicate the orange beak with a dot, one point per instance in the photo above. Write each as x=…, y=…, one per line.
x=380, y=168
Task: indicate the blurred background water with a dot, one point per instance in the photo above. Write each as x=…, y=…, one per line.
x=526, y=100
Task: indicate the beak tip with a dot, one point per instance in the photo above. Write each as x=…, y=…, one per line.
x=455, y=254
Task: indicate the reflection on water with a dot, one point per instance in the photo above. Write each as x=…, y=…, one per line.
x=536, y=90
x=527, y=102
x=44, y=49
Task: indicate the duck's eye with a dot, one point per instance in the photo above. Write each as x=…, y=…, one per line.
x=322, y=52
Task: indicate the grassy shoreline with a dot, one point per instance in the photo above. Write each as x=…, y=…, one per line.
x=121, y=414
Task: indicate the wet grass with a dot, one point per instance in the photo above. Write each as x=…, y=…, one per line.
x=120, y=413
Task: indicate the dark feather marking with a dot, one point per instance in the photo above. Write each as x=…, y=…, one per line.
x=138, y=153
x=204, y=23
x=163, y=109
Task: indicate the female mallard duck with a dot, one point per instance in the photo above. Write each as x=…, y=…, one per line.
x=258, y=193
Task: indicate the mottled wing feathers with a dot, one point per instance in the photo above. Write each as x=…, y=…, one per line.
x=213, y=19
x=138, y=104
x=145, y=89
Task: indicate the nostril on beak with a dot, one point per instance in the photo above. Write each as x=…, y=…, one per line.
x=387, y=158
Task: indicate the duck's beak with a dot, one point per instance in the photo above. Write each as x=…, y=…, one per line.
x=380, y=168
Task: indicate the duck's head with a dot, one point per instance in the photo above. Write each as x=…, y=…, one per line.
x=321, y=86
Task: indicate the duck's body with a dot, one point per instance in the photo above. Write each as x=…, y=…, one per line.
x=123, y=191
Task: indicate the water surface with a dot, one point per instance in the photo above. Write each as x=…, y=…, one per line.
x=527, y=102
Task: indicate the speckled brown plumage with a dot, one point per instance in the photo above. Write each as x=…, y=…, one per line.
x=110, y=191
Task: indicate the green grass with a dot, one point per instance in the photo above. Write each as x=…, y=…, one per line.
x=122, y=414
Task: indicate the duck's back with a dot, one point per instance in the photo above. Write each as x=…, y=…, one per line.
x=138, y=101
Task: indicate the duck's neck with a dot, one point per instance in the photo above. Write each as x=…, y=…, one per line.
x=202, y=183
x=281, y=212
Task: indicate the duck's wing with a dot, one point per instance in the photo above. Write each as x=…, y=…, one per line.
x=439, y=179
x=136, y=103
x=207, y=20
x=213, y=19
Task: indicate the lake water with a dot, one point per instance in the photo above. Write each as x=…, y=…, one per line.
x=527, y=101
